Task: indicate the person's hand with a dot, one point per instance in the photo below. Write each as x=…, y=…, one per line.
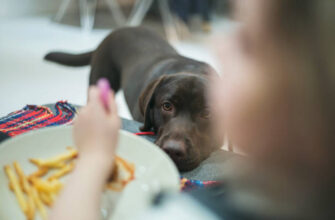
x=96, y=130
x=95, y=134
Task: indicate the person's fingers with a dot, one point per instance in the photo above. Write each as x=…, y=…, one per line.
x=96, y=102
x=94, y=98
x=112, y=104
x=93, y=94
x=81, y=112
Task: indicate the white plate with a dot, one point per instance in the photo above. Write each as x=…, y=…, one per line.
x=154, y=169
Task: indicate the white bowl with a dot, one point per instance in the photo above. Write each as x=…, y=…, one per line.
x=154, y=169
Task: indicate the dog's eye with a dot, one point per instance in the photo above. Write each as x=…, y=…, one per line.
x=167, y=106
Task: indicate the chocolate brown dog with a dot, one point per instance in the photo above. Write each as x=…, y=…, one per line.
x=164, y=90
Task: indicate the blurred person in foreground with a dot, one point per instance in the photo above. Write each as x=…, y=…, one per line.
x=275, y=102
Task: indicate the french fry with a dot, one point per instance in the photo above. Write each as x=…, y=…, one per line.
x=31, y=205
x=39, y=204
x=129, y=166
x=30, y=213
x=116, y=187
x=40, y=172
x=63, y=171
x=47, y=163
x=53, y=196
x=11, y=187
x=118, y=181
x=17, y=188
x=47, y=186
x=46, y=198
x=57, y=161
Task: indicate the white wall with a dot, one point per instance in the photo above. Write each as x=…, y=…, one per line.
x=18, y=8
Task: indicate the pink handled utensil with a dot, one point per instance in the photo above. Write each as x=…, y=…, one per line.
x=104, y=88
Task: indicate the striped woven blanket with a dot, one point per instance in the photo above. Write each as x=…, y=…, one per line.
x=33, y=117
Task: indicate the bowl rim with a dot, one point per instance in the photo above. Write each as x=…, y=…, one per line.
x=128, y=134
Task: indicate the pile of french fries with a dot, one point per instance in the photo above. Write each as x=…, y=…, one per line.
x=33, y=192
x=39, y=189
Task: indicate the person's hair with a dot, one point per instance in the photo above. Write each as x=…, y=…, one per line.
x=307, y=29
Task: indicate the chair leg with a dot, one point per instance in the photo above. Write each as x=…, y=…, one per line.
x=62, y=9
x=139, y=11
x=117, y=13
x=87, y=14
x=168, y=21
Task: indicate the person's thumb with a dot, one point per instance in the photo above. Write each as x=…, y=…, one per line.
x=112, y=104
x=94, y=97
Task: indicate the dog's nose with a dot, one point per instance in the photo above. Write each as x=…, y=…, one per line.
x=175, y=149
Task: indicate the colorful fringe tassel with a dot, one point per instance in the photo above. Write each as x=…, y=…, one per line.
x=187, y=184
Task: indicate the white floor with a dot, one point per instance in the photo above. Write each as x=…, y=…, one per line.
x=25, y=78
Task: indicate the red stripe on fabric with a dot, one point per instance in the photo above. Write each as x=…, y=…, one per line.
x=30, y=113
x=30, y=126
x=6, y=124
x=145, y=133
x=47, y=121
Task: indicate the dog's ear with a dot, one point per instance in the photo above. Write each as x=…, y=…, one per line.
x=146, y=103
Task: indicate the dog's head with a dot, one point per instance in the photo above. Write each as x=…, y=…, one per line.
x=175, y=106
